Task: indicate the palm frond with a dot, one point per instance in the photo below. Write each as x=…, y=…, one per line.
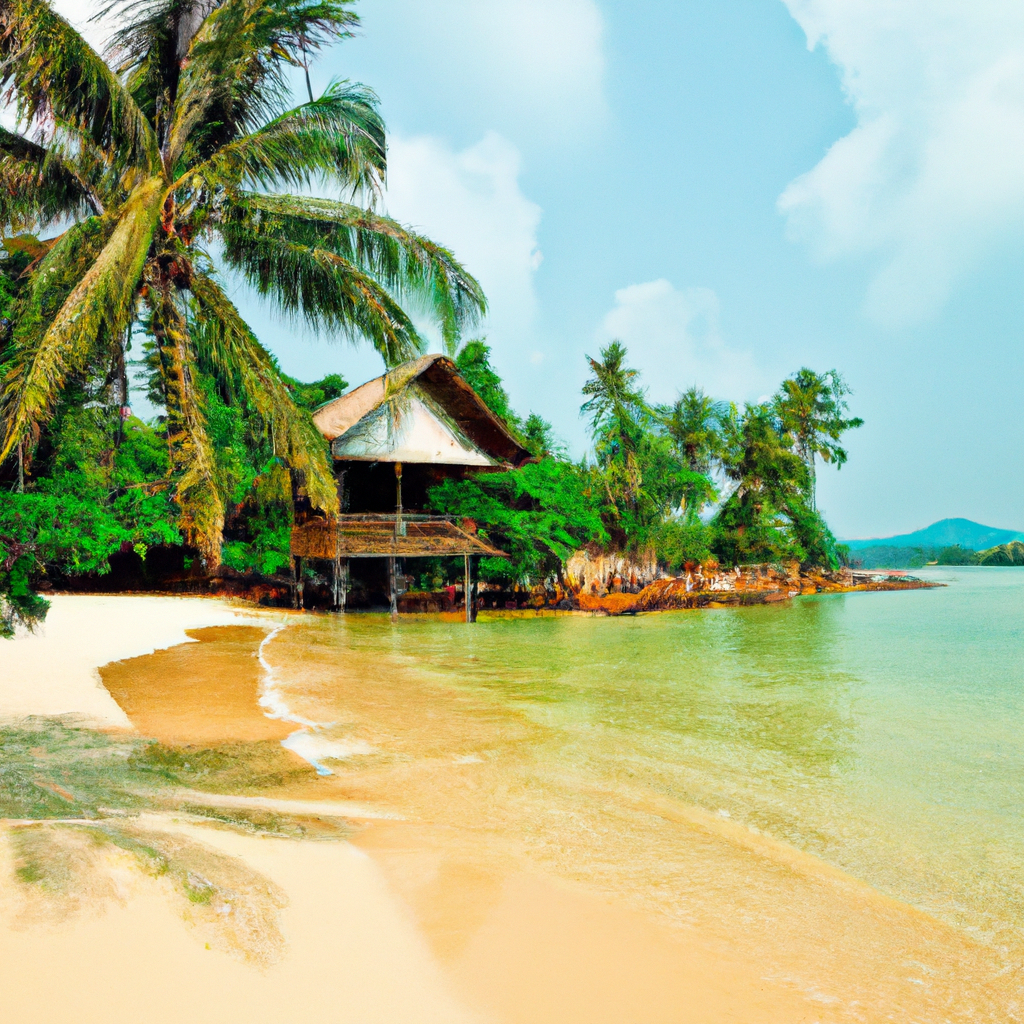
x=338, y=137
x=101, y=301
x=328, y=291
x=234, y=80
x=402, y=261
x=150, y=47
x=51, y=73
x=56, y=275
x=201, y=507
x=38, y=187
x=232, y=346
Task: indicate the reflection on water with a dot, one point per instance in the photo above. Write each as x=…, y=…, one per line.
x=879, y=732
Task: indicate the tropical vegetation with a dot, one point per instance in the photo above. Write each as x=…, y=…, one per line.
x=695, y=481
x=140, y=187
x=146, y=172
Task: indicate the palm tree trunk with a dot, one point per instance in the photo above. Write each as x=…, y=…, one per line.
x=21, y=467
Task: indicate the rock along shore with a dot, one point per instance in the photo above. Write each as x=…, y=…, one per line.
x=744, y=585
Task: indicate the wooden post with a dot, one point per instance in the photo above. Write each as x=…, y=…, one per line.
x=394, y=589
x=297, y=582
x=469, y=594
x=399, y=522
x=340, y=584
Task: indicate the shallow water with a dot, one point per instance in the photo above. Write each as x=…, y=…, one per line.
x=881, y=733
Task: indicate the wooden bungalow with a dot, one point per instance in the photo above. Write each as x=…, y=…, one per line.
x=392, y=439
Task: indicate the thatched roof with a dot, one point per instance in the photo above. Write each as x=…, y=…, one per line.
x=422, y=411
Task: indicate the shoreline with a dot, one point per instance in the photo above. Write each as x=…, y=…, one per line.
x=54, y=671
x=354, y=933
x=407, y=920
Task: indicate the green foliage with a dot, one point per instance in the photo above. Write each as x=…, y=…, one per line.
x=100, y=487
x=539, y=514
x=474, y=363
x=312, y=396
x=96, y=500
x=1004, y=554
x=812, y=409
x=957, y=555
x=677, y=542
x=537, y=436
x=189, y=131
x=769, y=516
x=652, y=480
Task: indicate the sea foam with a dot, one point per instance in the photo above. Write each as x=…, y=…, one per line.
x=309, y=741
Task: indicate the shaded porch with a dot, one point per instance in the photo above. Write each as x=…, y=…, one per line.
x=391, y=536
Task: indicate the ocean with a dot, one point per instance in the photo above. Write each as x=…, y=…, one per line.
x=879, y=734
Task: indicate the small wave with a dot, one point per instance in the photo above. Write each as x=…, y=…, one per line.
x=309, y=741
x=313, y=746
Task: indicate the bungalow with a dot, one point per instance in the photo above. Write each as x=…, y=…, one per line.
x=392, y=439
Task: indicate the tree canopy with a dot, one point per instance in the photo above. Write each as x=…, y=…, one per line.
x=180, y=149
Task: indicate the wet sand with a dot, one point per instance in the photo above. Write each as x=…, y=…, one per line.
x=455, y=902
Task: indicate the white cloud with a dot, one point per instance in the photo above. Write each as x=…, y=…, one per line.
x=539, y=61
x=471, y=202
x=673, y=338
x=932, y=177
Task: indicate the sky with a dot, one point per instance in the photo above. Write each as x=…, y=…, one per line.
x=735, y=190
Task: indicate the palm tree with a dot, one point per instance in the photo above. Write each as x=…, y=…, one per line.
x=171, y=158
x=694, y=424
x=618, y=412
x=812, y=407
x=769, y=479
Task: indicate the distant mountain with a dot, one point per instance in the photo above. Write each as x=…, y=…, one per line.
x=945, y=533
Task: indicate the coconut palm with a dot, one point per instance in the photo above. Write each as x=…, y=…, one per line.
x=618, y=411
x=694, y=423
x=813, y=409
x=174, y=154
x=769, y=480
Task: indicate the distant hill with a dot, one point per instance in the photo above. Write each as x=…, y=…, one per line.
x=945, y=533
x=1005, y=554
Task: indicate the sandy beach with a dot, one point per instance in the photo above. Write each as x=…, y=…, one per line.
x=399, y=914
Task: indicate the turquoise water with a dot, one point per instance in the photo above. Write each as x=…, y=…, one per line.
x=880, y=732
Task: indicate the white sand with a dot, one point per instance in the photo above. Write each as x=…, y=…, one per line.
x=353, y=951
x=406, y=934
x=53, y=671
x=353, y=954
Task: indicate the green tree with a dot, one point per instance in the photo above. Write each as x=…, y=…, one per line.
x=768, y=516
x=768, y=478
x=538, y=436
x=178, y=148
x=539, y=514
x=474, y=363
x=619, y=415
x=813, y=409
x=694, y=423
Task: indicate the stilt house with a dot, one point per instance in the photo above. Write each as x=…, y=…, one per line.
x=392, y=439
